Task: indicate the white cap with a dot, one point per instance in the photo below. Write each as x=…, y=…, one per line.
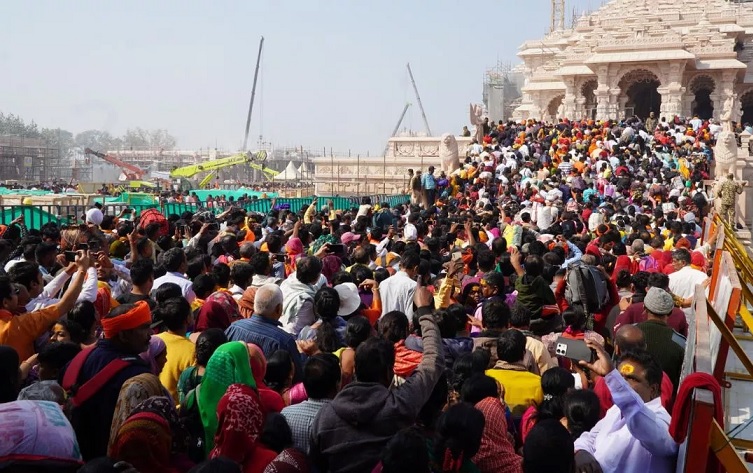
x=94, y=216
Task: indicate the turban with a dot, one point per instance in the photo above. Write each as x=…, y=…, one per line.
x=94, y=216
x=136, y=317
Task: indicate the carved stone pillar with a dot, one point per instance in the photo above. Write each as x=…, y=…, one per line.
x=687, y=104
x=614, y=103
x=602, y=94
x=622, y=101
x=580, y=109
x=672, y=89
x=716, y=102
x=744, y=210
x=570, y=100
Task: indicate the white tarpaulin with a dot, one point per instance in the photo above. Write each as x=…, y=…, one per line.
x=289, y=174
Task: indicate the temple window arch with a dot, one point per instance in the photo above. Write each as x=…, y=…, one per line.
x=639, y=94
x=702, y=87
x=588, y=92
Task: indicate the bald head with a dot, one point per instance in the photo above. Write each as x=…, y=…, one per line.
x=629, y=338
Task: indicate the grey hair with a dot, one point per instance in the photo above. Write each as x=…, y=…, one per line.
x=267, y=298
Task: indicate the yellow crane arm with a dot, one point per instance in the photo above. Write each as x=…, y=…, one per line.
x=205, y=182
x=270, y=173
x=241, y=158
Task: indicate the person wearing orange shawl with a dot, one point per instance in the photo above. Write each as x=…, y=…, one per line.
x=393, y=326
x=127, y=333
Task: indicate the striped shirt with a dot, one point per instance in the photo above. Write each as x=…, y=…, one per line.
x=565, y=167
x=267, y=335
x=300, y=417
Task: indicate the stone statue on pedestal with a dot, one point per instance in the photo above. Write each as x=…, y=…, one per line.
x=448, y=153
x=477, y=120
x=725, y=150
x=731, y=110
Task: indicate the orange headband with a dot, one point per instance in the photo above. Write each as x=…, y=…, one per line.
x=136, y=317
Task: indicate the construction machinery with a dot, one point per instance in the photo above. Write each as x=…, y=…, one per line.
x=252, y=160
x=129, y=171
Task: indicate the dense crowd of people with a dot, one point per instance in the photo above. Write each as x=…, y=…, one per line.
x=525, y=313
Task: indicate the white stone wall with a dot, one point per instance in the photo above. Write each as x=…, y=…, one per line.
x=380, y=175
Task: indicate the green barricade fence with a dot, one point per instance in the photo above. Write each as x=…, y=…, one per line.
x=34, y=215
x=38, y=215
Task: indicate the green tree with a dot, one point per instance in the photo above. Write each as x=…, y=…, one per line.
x=14, y=125
x=97, y=140
x=139, y=138
x=57, y=138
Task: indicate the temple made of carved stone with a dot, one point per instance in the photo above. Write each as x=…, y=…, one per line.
x=632, y=57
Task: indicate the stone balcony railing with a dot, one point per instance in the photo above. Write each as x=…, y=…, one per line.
x=388, y=174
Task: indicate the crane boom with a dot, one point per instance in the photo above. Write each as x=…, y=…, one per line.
x=418, y=99
x=241, y=158
x=253, y=93
x=132, y=172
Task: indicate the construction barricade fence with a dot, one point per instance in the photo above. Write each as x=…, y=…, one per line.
x=37, y=215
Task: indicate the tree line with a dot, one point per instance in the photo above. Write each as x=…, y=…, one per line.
x=99, y=140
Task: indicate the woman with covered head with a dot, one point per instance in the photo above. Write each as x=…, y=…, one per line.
x=134, y=391
x=230, y=364
x=271, y=401
x=457, y=440
x=497, y=454
x=152, y=439
x=239, y=426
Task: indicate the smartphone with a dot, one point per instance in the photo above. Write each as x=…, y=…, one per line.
x=70, y=256
x=82, y=246
x=337, y=248
x=280, y=257
x=576, y=350
x=457, y=256
x=214, y=225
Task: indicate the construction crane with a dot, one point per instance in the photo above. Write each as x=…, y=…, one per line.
x=253, y=94
x=418, y=99
x=130, y=172
x=558, y=15
x=397, y=127
x=253, y=160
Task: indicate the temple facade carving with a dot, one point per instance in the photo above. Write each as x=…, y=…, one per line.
x=633, y=57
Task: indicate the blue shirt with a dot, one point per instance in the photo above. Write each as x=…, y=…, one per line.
x=428, y=181
x=267, y=335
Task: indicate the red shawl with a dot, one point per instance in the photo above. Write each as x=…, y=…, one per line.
x=497, y=454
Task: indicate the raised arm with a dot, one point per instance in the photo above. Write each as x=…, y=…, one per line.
x=412, y=395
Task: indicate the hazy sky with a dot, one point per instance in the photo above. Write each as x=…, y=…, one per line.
x=333, y=72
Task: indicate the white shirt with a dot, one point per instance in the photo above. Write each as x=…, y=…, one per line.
x=633, y=437
x=236, y=291
x=500, y=170
x=363, y=210
x=186, y=286
x=397, y=294
x=682, y=283
x=546, y=215
x=51, y=290
x=410, y=232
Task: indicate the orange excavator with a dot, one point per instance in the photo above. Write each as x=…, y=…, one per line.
x=130, y=172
